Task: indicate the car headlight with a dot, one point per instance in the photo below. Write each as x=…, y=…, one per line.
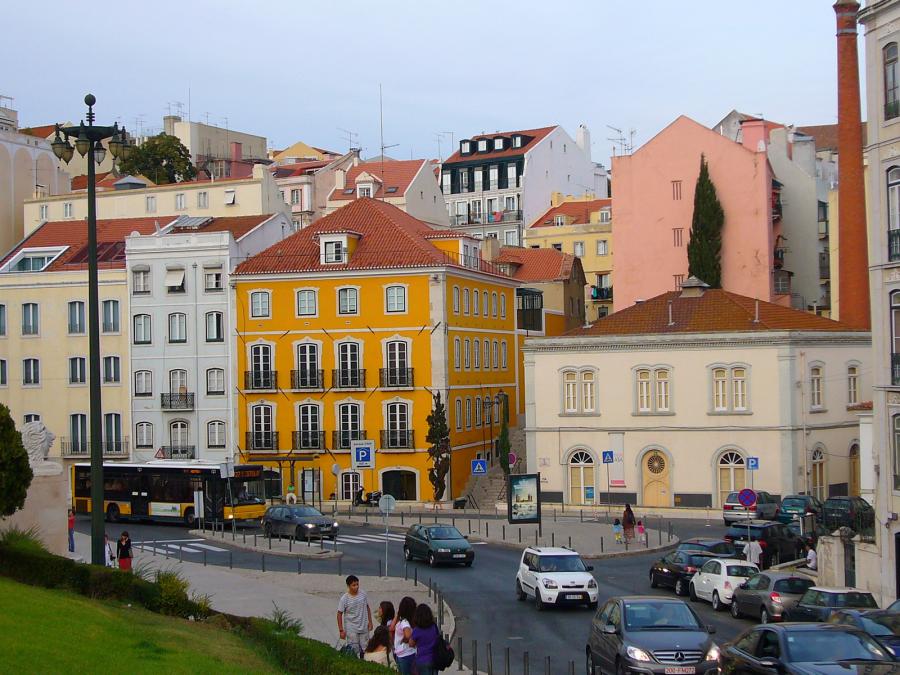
x=549, y=583
x=334, y=524
x=592, y=584
x=309, y=525
x=713, y=653
x=637, y=654
x=443, y=550
x=230, y=516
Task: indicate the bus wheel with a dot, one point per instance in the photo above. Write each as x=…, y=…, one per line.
x=189, y=518
x=112, y=513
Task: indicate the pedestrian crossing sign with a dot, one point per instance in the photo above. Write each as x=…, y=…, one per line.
x=479, y=467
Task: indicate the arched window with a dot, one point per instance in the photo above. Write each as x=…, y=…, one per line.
x=465, y=301
x=467, y=353
x=731, y=474
x=818, y=474
x=397, y=433
x=494, y=304
x=487, y=355
x=476, y=354
x=503, y=355
x=349, y=484
x=262, y=430
x=456, y=299
x=143, y=383
x=896, y=449
x=587, y=391
x=662, y=390
x=496, y=360
x=307, y=376
x=891, y=84
x=215, y=434
x=720, y=389
x=468, y=413
x=349, y=374
x=643, y=391
x=852, y=385
x=488, y=405
x=503, y=306
x=457, y=411
x=178, y=381
x=143, y=331
x=215, y=327
x=457, y=353
x=309, y=436
x=816, y=385
x=178, y=437
x=215, y=382
x=484, y=302
x=570, y=385
x=854, y=470
x=143, y=435
x=262, y=375
x=476, y=308
x=477, y=412
x=739, y=388
x=350, y=419
x=397, y=373
x=581, y=478
x=893, y=193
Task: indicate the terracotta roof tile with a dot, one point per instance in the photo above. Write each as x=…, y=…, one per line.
x=713, y=312
x=397, y=174
x=535, y=136
x=298, y=168
x=577, y=213
x=237, y=225
x=826, y=135
x=534, y=265
x=43, y=131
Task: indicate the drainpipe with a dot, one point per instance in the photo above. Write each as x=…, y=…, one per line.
x=801, y=384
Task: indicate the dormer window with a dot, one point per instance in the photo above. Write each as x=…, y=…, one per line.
x=33, y=259
x=334, y=252
x=605, y=216
x=559, y=221
x=517, y=141
x=498, y=143
x=465, y=147
x=482, y=145
x=364, y=190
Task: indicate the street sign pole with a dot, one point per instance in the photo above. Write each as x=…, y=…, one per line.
x=387, y=504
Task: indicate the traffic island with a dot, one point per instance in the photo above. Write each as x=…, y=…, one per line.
x=281, y=546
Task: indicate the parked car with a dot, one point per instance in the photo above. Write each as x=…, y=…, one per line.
x=883, y=625
x=438, y=544
x=718, y=547
x=649, y=634
x=767, y=595
x=894, y=607
x=794, y=507
x=555, y=576
x=766, y=508
x=853, y=512
x=819, y=603
x=716, y=580
x=299, y=521
x=778, y=543
x=806, y=649
x=810, y=537
x=676, y=569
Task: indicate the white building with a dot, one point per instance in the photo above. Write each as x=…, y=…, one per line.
x=496, y=184
x=182, y=332
x=684, y=388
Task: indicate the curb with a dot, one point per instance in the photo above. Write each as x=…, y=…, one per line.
x=296, y=553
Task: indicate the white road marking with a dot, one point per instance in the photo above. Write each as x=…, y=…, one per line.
x=210, y=548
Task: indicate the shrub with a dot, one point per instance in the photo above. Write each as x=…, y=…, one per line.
x=285, y=620
x=24, y=540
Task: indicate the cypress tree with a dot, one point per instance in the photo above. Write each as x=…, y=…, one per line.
x=15, y=470
x=705, y=246
x=438, y=439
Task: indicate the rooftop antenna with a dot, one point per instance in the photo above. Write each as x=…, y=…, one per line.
x=179, y=108
x=206, y=116
x=383, y=146
x=441, y=134
x=6, y=101
x=350, y=136
x=626, y=145
x=139, y=124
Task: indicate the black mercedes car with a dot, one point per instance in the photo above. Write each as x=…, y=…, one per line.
x=649, y=634
x=806, y=649
x=301, y=522
x=676, y=569
x=884, y=626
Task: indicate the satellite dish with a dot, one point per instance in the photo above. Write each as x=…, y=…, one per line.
x=335, y=468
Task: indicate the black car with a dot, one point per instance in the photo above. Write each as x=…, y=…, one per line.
x=810, y=537
x=778, y=543
x=301, y=522
x=437, y=544
x=819, y=603
x=884, y=626
x=717, y=547
x=807, y=649
x=853, y=512
x=649, y=634
x=676, y=569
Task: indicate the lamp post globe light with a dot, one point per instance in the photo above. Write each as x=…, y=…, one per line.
x=88, y=142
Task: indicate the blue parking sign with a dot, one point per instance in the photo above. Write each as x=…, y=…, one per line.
x=363, y=454
x=608, y=457
x=753, y=464
x=479, y=467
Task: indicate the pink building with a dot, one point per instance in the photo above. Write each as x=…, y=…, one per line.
x=653, y=195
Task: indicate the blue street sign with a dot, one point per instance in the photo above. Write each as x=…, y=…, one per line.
x=363, y=454
x=747, y=498
x=608, y=457
x=479, y=467
x=753, y=464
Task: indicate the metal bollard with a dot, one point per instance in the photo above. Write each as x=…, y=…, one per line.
x=506, y=662
x=230, y=559
x=322, y=542
x=263, y=562
x=429, y=588
x=244, y=535
x=547, y=667
x=340, y=567
x=572, y=668
x=435, y=517
x=474, y=656
x=626, y=543
x=291, y=544
x=415, y=576
x=299, y=570
x=154, y=549
x=459, y=652
x=535, y=537
x=470, y=526
x=520, y=535
x=601, y=544
x=367, y=517
x=254, y=540
x=486, y=530
x=204, y=557
x=490, y=659
x=570, y=541
x=553, y=538
x=420, y=517
x=525, y=666
x=270, y=542
x=401, y=517
x=581, y=515
x=659, y=532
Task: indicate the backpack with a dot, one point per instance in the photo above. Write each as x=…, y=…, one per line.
x=443, y=652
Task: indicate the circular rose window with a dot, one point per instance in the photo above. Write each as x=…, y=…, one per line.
x=656, y=463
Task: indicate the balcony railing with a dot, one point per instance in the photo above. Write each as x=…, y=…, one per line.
x=260, y=379
x=891, y=110
x=340, y=440
x=474, y=262
x=511, y=216
x=396, y=377
x=824, y=266
x=893, y=245
x=81, y=447
x=782, y=282
x=895, y=369
x=348, y=378
x=601, y=292
x=397, y=438
x=266, y=441
x=177, y=401
x=179, y=452
x=308, y=379
x=308, y=440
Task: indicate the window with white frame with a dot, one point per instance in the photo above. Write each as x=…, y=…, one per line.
x=3, y=373
x=496, y=359
x=661, y=386
x=602, y=247
x=151, y=204
x=143, y=435
x=143, y=332
x=67, y=209
x=570, y=388
x=306, y=302
x=730, y=389
x=511, y=237
x=310, y=426
x=739, y=388
x=457, y=353
x=334, y=252
x=213, y=280
x=478, y=409
x=32, y=417
x=457, y=409
x=177, y=328
x=215, y=382
x=579, y=393
x=31, y=372
x=202, y=199
x=215, y=434
x=140, y=282
x=230, y=197
x=579, y=249
x=77, y=370
x=476, y=354
x=2, y=320
x=559, y=221
x=110, y=316
x=852, y=385
x=111, y=372
x=30, y=318
x=720, y=389
x=503, y=305
x=364, y=190
x=215, y=329
x=456, y=299
x=76, y=318
x=44, y=211
x=503, y=355
x=295, y=197
x=180, y=204
x=395, y=299
x=587, y=391
x=816, y=387
x=605, y=215
x=468, y=413
x=487, y=405
x=348, y=301
x=175, y=280
x=486, y=361
x=476, y=303
x=494, y=304
x=143, y=383
x=466, y=354
x=485, y=299
x=466, y=296
x=259, y=304
x=349, y=420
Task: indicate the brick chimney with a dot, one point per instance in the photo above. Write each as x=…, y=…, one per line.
x=853, y=268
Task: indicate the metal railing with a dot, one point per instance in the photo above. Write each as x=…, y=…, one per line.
x=260, y=379
x=601, y=292
x=81, y=447
x=177, y=401
x=397, y=438
x=262, y=440
x=893, y=245
x=395, y=377
x=824, y=266
x=473, y=262
x=895, y=369
x=340, y=440
x=891, y=110
x=308, y=440
x=861, y=522
x=348, y=378
x=179, y=452
x=307, y=378
x=511, y=216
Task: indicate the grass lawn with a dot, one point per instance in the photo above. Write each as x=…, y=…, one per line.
x=44, y=631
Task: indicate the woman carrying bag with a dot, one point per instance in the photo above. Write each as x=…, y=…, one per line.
x=123, y=551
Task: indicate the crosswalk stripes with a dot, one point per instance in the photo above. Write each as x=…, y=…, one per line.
x=185, y=545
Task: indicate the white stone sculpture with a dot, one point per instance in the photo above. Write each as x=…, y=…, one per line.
x=38, y=439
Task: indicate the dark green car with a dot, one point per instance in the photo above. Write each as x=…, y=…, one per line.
x=438, y=544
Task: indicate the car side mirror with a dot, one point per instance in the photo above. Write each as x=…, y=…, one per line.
x=769, y=662
x=711, y=629
x=609, y=629
x=465, y=536
x=743, y=585
x=589, y=568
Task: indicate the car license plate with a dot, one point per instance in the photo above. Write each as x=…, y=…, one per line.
x=573, y=596
x=681, y=670
x=459, y=555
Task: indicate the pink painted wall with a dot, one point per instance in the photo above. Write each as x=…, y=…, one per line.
x=645, y=213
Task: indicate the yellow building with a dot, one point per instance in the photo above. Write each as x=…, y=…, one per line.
x=346, y=330
x=581, y=226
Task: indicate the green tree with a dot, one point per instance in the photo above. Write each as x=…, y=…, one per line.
x=162, y=159
x=438, y=440
x=503, y=446
x=15, y=470
x=705, y=246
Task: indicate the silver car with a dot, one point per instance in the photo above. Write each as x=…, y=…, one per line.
x=766, y=508
x=768, y=595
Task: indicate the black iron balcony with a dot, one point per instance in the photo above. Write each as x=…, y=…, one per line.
x=778, y=258
x=396, y=378
x=262, y=441
x=179, y=452
x=308, y=440
x=81, y=447
x=601, y=292
x=397, y=438
x=511, y=215
x=177, y=401
x=340, y=440
x=260, y=379
x=891, y=110
x=893, y=245
x=348, y=378
x=895, y=369
x=824, y=266
x=307, y=378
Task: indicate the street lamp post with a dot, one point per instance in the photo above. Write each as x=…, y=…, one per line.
x=88, y=142
x=490, y=405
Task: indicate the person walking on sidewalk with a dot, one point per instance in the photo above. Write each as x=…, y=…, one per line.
x=404, y=655
x=628, y=521
x=71, y=531
x=123, y=551
x=354, y=616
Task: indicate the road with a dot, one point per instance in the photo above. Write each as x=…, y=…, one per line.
x=482, y=597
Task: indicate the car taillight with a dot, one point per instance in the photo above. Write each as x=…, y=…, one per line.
x=690, y=568
x=728, y=585
x=777, y=511
x=775, y=597
x=729, y=538
x=728, y=507
x=810, y=512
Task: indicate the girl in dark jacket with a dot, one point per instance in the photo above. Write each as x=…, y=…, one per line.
x=123, y=551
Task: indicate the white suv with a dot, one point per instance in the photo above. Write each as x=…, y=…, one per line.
x=555, y=576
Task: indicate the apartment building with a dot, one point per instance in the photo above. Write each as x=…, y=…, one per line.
x=219, y=152
x=307, y=185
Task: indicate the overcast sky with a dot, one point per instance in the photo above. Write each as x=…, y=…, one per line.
x=304, y=69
